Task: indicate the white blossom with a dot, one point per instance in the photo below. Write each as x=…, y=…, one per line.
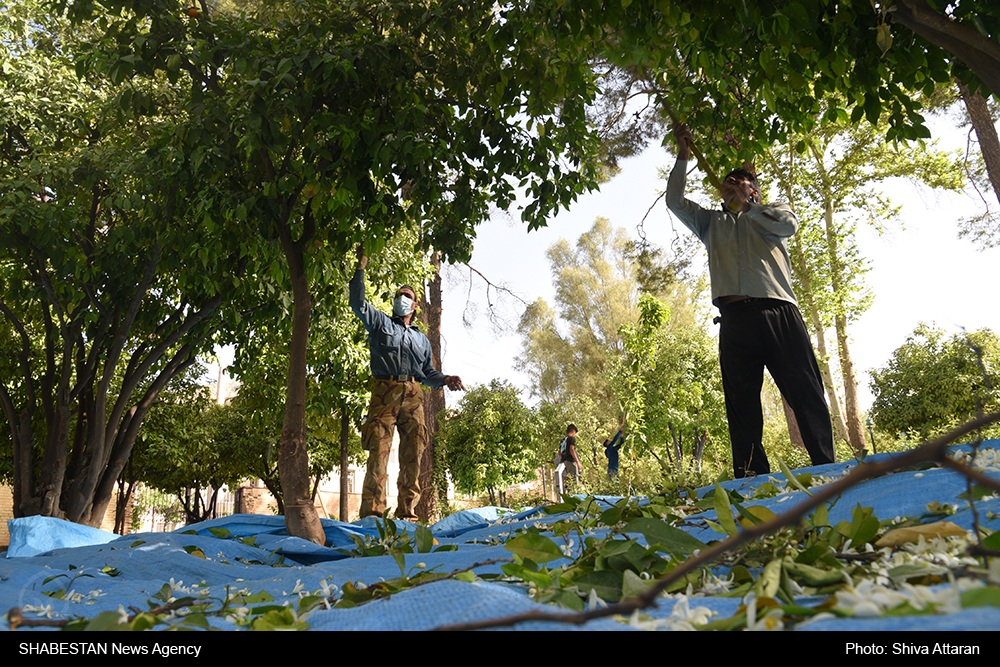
x=771, y=620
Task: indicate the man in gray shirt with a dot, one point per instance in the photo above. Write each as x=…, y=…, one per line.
x=760, y=320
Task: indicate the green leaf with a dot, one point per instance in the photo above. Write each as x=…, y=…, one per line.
x=607, y=584
x=723, y=510
x=754, y=515
x=904, y=573
x=263, y=596
x=863, y=528
x=792, y=479
x=672, y=540
x=106, y=620
x=815, y=576
x=534, y=547
x=197, y=620
x=986, y=596
x=424, y=539
x=164, y=594
x=883, y=37
x=611, y=516
x=769, y=582
x=978, y=492
x=633, y=585
x=821, y=517
x=993, y=541
x=541, y=579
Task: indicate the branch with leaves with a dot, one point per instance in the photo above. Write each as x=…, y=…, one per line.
x=934, y=451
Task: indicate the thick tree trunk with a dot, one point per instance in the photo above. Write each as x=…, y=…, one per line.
x=794, y=432
x=986, y=134
x=301, y=518
x=345, y=433
x=124, y=497
x=700, y=440
x=434, y=402
x=855, y=426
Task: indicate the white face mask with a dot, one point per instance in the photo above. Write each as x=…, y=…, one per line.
x=402, y=306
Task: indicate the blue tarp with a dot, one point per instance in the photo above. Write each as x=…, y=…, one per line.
x=92, y=571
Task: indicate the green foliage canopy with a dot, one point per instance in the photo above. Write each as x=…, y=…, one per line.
x=747, y=75
x=190, y=446
x=931, y=382
x=487, y=442
x=108, y=291
x=340, y=123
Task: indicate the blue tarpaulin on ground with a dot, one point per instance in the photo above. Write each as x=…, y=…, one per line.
x=55, y=569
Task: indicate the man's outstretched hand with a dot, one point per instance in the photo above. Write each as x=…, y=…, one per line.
x=682, y=133
x=454, y=382
x=362, y=260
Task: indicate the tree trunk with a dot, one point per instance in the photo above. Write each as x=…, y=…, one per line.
x=986, y=134
x=301, y=518
x=855, y=429
x=124, y=497
x=801, y=268
x=855, y=426
x=822, y=353
x=794, y=433
x=678, y=448
x=434, y=402
x=345, y=433
x=700, y=440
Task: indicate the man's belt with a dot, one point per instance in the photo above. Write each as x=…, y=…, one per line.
x=396, y=378
x=726, y=300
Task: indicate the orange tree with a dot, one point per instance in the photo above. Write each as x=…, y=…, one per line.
x=746, y=74
x=337, y=123
x=107, y=288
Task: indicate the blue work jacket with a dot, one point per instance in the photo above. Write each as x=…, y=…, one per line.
x=396, y=349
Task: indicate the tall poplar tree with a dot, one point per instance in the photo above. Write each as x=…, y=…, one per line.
x=831, y=177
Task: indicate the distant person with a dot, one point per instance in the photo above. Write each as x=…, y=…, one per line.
x=568, y=463
x=400, y=362
x=611, y=451
x=760, y=320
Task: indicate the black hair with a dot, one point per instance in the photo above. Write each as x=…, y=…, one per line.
x=747, y=176
x=571, y=427
x=403, y=287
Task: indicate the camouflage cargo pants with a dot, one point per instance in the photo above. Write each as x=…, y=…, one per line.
x=393, y=405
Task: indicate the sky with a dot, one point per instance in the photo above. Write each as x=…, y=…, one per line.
x=920, y=271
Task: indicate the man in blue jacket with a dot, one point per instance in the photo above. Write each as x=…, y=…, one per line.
x=400, y=362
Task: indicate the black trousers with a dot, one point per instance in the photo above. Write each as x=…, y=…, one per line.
x=770, y=332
